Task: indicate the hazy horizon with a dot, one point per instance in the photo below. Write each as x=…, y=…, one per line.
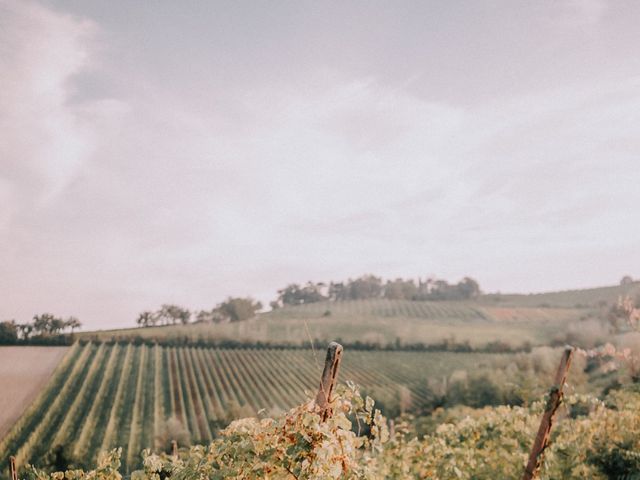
x=181, y=152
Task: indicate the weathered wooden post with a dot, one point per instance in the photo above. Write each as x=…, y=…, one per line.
x=174, y=448
x=554, y=401
x=12, y=466
x=392, y=428
x=328, y=380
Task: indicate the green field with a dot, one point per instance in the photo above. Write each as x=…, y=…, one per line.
x=512, y=318
x=102, y=395
x=139, y=395
x=135, y=395
x=378, y=321
x=583, y=298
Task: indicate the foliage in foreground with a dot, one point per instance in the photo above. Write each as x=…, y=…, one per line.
x=592, y=439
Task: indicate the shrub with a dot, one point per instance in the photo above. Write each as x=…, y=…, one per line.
x=479, y=444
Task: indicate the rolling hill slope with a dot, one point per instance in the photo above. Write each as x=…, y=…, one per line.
x=102, y=396
x=584, y=298
x=137, y=395
x=377, y=321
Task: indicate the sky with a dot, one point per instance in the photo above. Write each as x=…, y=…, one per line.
x=181, y=152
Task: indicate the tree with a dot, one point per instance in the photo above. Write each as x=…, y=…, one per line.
x=8, y=332
x=367, y=286
x=400, y=289
x=238, y=309
x=338, y=291
x=209, y=316
x=56, y=326
x=72, y=323
x=468, y=288
x=43, y=323
x=294, y=294
x=626, y=280
x=174, y=314
x=439, y=290
x=435, y=289
x=146, y=319
x=25, y=330
x=204, y=316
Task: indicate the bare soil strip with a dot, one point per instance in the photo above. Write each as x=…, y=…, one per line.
x=24, y=371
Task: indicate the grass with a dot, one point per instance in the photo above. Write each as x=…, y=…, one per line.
x=382, y=321
x=583, y=298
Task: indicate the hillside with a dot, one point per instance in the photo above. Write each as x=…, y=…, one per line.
x=584, y=298
x=102, y=396
x=515, y=319
x=378, y=321
x=140, y=395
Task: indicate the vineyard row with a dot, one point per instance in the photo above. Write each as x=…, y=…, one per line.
x=102, y=396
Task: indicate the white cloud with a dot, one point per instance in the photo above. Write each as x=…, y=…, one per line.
x=584, y=12
x=44, y=143
x=111, y=206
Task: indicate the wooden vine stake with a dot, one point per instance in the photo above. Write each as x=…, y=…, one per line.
x=174, y=448
x=554, y=401
x=329, y=378
x=12, y=466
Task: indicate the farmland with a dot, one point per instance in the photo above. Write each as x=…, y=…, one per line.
x=378, y=321
x=582, y=298
x=24, y=371
x=106, y=395
x=141, y=394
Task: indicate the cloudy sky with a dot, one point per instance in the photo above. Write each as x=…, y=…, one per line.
x=156, y=152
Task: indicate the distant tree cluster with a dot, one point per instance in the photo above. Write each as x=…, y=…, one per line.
x=366, y=286
x=233, y=309
x=370, y=286
x=44, y=326
x=295, y=294
x=237, y=309
x=167, y=315
x=626, y=280
x=432, y=289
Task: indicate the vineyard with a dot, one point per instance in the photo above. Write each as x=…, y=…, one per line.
x=107, y=395
x=583, y=298
x=348, y=438
x=457, y=311
x=376, y=321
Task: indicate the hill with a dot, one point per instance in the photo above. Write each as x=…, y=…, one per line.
x=584, y=298
x=378, y=321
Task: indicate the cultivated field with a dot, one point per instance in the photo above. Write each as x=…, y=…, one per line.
x=102, y=396
x=584, y=298
x=380, y=320
x=24, y=371
x=136, y=396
